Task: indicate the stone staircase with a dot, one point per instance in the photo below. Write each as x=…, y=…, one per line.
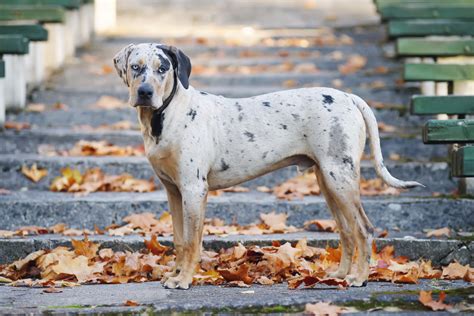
x=79, y=87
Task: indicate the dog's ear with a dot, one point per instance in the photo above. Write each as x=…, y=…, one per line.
x=181, y=63
x=121, y=62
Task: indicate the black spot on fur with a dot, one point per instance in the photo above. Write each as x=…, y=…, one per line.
x=203, y=178
x=165, y=64
x=192, y=113
x=203, y=93
x=198, y=173
x=224, y=166
x=332, y=175
x=348, y=160
x=266, y=103
x=157, y=121
x=327, y=99
x=238, y=106
x=264, y=155
x=241, y=117
x=304, y=135
x=283, y=126
x=250, y=136
x=295, y=116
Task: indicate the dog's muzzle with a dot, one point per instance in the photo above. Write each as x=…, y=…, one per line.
x=145, y=95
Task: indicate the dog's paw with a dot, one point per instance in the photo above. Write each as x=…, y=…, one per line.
x=355, y=281
x=168, y=275
x=337, y=275
x=177, y=282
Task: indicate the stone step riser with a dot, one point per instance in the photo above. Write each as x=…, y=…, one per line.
x=47, y=209
x=27, y=142
x=434, y=175
x=440, y=252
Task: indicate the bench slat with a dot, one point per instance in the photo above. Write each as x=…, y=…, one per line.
x=450, y=104
x=13, y=44
x=2, y=68
x=399, y=28
x=33, y=32
x=438, y=72
x=462, y=162
x=427, y=11
x=448, y=131
x=434, y=47
x=383, y=3
x=53, y=14
x=68, y=4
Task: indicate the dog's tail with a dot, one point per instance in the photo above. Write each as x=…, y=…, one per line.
x=373, y=131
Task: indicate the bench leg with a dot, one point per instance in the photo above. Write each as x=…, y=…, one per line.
x=71, y=28
x=55, y=48
x=39, y=67
x=15, y=81
x=2, y=102
x=466, y=185
x=105, y=15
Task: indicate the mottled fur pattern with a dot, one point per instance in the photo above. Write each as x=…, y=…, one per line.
x=210, y=142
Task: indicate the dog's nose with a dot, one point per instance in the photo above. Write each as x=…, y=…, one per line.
x=145, y=91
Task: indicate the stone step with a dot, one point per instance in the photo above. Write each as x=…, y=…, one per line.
x=434, y=175
x=407, y=145
x=102, y=209
x=439, y=251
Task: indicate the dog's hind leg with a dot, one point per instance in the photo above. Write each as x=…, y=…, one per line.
x=347, y=244
x=194, y=199
x=176, y=209
x=342, y=186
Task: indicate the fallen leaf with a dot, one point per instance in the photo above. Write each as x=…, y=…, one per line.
x=322, y=309
x=426, y=299
x=353, y=64
x=131, y=303
x=327, y=225
x=155, y=247
x=16, y=125
x=33, y=173
x=107, y=102
x=445, y=231
x=455, y=271
x=35, y=107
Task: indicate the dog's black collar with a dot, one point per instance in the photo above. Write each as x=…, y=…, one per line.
x=158, y=116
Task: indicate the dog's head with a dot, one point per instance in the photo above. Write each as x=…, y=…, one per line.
x=152, y=72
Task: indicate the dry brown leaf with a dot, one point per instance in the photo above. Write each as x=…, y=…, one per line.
x=131, y=303
x=353, y=64
x=276, y=222
x=239, y=273
x=35, y=107
x=455, y=271
x=107, y=102
x=383, y=127
x=104, y=148
x=155, y=247
x=16, y=125
x=445, y=231
x=327, y=225
x=5, y=191
x=426, y=299
x=33, y=173
x=323, y=309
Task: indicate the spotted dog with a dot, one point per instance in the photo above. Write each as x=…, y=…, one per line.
x=196, y=142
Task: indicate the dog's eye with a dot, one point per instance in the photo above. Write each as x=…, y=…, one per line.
x=161, y=70
x=135, y=67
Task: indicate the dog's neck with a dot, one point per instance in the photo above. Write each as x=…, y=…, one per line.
x=152, y=120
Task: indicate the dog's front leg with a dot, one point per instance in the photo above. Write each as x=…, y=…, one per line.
x=194, y=198
x=176, y=209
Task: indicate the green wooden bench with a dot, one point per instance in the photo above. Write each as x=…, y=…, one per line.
x=13, y=44
x=462, y=162
x=33, y=32
x=445, y=10
x=434, y=47
x=426, y=27
x=68, y=4
x=40, y=13
x=449, y=104
x=448, y=131
x=438, y=72
x=2, y=69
